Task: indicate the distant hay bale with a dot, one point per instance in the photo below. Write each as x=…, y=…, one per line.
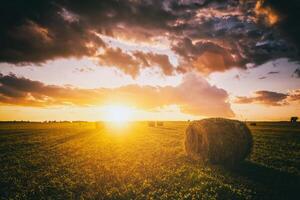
x=159, y=123
x=218, y=141
x=252, y=124
x=151, y=124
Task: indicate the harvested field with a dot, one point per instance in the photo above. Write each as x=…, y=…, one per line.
x=70, y=160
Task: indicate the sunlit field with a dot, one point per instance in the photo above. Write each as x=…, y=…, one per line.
x=133, y=161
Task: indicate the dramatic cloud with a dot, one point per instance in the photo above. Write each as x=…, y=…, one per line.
x=205, y=57
x=33, y=41
x=289, y=23
x=134, y=62
x=206, y=35
x=194, y=95
x=270, y=98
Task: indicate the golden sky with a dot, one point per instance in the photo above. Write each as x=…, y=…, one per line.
x=155, y=60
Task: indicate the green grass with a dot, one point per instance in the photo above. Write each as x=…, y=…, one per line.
x=83, y=161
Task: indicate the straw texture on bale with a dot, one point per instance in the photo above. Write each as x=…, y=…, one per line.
x=218, y=141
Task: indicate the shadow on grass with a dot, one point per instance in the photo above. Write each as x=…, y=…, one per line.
x=266, y=182
x=282, y=185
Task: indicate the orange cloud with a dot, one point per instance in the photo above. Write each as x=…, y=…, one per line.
x=267, y=12
x=132, y=62
x=206, y=57
x=194, y=95
x=209, y=62
x=270, y=98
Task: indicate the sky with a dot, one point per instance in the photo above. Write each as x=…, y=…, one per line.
x=149, y=59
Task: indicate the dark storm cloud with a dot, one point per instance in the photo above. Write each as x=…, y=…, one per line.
x=202, y=98
x=270, y=98
x=289, y=24
x=35, y=31
x=208, y=35
x=236, y=28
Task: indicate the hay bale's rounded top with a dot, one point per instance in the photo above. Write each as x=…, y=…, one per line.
x=218, y=140
x=215, y=124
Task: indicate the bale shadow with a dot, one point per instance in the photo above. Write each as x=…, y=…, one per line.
x=283, y=185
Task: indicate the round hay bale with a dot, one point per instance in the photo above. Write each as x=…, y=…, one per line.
x=218, y=141
x=159, y=123
x=151, y=124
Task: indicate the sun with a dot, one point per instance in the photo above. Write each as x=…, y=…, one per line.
x=117, y=113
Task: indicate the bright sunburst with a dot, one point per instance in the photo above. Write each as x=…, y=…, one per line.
x=117, y=113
